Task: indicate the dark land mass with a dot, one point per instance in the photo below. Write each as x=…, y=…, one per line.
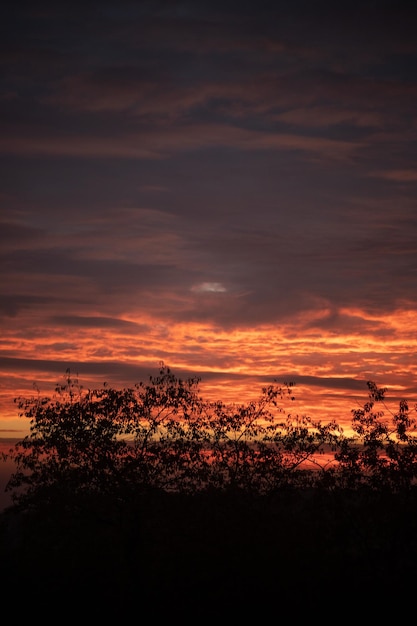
x=213, y=555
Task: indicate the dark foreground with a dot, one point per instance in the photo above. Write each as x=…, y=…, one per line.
x=212, y=555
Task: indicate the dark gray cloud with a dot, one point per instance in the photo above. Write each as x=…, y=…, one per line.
x=118, y=373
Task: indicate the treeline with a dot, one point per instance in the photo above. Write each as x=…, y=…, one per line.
x=153, y=498
x=162, y=435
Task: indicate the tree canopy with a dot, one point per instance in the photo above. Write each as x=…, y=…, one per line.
x=154, y=493
x=161, y=434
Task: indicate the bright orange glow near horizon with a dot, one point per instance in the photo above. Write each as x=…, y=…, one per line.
x=330, y=368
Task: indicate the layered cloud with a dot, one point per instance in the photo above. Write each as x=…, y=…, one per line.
x=225, y=188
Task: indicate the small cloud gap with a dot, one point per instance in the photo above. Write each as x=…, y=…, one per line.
x=209, y=287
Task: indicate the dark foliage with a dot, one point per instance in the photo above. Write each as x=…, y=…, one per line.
x=153, y=496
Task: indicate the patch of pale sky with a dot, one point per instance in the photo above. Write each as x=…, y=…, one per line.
x=209, y=287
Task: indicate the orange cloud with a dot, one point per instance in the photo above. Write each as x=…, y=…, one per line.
x=330, y=368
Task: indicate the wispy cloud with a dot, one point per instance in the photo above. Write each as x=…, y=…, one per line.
x=399, y=176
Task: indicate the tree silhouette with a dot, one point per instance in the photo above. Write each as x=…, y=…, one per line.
x=152, y=490
x=160, y=435
x=382, y=453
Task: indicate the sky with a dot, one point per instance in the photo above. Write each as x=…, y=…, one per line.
x=228, y=188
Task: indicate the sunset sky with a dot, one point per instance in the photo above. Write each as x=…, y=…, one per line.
x=226, y=187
